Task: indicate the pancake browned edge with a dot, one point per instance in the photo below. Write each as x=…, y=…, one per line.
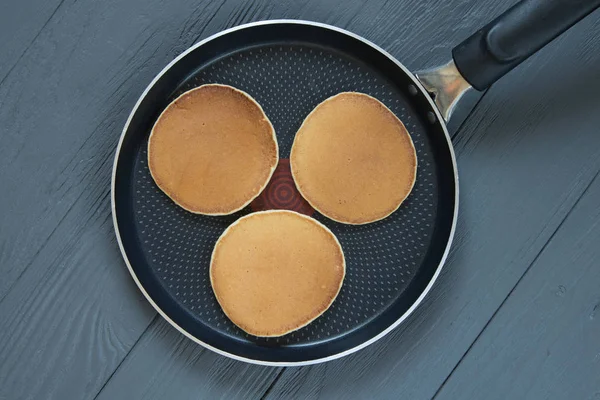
x=174, y=197
x=313, y=315
x=319, y=207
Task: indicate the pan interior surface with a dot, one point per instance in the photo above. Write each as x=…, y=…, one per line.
x=288, y=70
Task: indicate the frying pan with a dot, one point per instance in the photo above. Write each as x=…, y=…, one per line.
x=289, y=67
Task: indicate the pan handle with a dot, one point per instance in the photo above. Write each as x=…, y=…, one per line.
x=504, y=43
x=500, y=46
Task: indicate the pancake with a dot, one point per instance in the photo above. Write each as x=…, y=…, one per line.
x=212, y=150
x=276, y=271
x=353, y=160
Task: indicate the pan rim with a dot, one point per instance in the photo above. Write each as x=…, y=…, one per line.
x=392, y=326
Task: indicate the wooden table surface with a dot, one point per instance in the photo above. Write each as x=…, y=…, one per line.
x=515, y=313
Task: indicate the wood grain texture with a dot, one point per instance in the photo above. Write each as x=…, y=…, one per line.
x=62, y=110
x=543, y=342
x=198, y=373
x=525, y=156
x=80, y=77
x=137, y=367
x=20, y=28
x=69, y=312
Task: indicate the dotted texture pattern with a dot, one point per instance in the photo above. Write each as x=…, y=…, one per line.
x=382, y=257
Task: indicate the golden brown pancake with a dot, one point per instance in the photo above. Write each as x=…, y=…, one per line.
x=276, y=271
x=212, y=150
x=353, y=160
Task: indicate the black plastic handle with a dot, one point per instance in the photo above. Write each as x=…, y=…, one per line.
x=504, y=43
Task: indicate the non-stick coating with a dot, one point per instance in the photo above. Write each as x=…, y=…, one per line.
x=288, y=69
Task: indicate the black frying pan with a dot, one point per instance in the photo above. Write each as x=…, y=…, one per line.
x=289, y=67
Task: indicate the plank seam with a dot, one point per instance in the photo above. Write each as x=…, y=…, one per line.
x=32, y=42
x=201, y=34
x=40, y=249
x=126, y=355
x=538, y=255
x=455, y=134
x=272, y=385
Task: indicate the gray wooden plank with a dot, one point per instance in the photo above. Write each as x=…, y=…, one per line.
x=543, y=342
x=525, y=156
x=80, y=77
x=61, y=111
x=199, y=373
x=64, y=335
x=138, y=366
x=69, y=313
x=51, y=236
x=69, y=310
x=20, y=25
